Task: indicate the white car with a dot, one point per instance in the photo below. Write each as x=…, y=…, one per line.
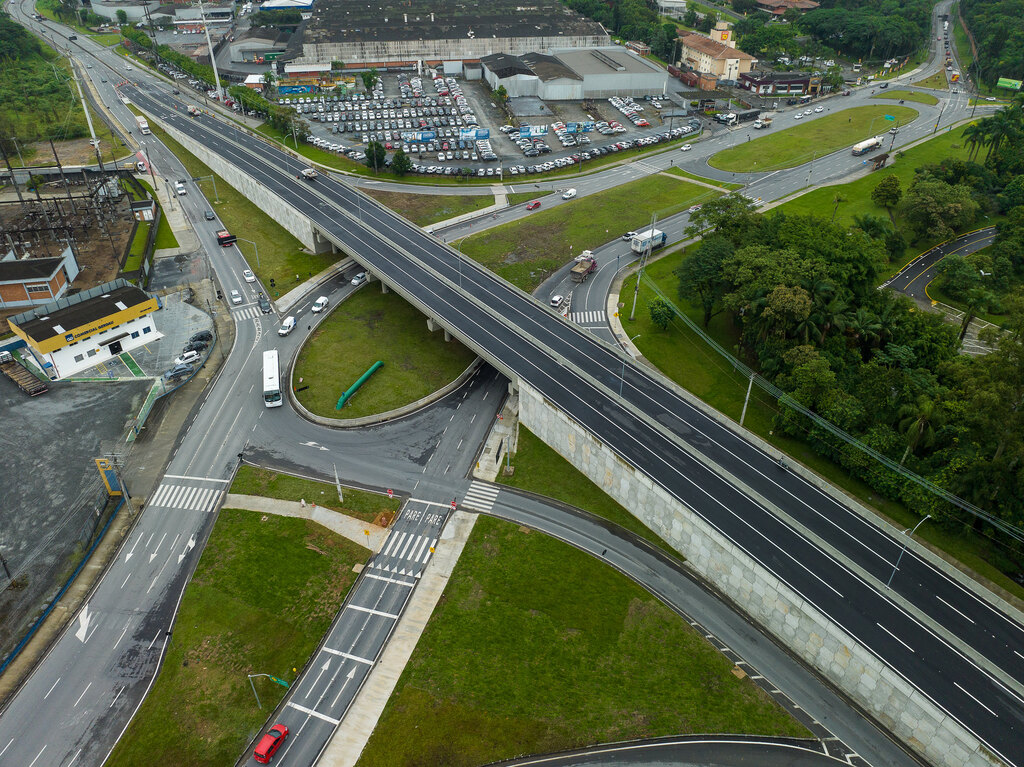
x=808, y=113
x=248, y=276
x=819, y=109
x=685, y=148
x=798, y=116
x=188, y=358
x=568, y=194
x=359, y=279
x=319, y=305
x=236, y=297
x=556, y=301
x=180, y=187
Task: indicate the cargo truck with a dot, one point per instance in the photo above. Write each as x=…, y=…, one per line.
x=650, y=239
x=193, y=111
x=868, y=145
x=143, y=125
x=583, y=268
x=764, y=122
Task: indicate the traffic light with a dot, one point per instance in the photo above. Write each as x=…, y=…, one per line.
x=220, y=295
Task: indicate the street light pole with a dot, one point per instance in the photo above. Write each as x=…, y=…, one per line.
x=253, y=247
x=900, y=557
x=622, y=375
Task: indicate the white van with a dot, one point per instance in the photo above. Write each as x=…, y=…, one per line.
x=287, y=326
x=319, y=305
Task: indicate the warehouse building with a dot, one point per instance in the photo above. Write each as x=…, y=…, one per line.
x=88, y=328
x=574, y=74
x=421, y=33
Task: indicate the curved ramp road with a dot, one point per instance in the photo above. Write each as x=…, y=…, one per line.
x=658, y=431
x=914, y=278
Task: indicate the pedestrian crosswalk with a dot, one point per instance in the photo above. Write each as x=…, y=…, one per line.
x=588, y=318
x=480, y=496
x=646, y=168
x=405, y=553
x=246, y=313
x=188, y=497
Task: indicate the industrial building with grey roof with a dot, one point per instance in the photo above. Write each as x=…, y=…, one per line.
x=383, y=35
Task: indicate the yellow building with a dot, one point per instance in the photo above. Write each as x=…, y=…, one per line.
x=716, y=55
x=86, y=329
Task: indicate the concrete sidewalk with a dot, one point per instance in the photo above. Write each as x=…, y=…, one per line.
x=364, y=533
x=500, y=203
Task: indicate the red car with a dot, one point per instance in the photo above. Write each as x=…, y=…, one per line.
x=533, y=205
x=269, y=743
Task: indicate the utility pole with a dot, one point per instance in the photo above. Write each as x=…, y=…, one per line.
x=213, y=55
x=643, y=262
x=88, y=120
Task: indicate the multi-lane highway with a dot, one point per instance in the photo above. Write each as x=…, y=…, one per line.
x=952, y=646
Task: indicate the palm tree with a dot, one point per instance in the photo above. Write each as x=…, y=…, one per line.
x=874, y=227
x=918, y=422
x=866, y=328
x=978, y=300
x=836, y=200
x=831, y=315
x=974, y=137
x=1000, y=127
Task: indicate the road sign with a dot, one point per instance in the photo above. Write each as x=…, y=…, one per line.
x=391, y=493
x=277, y=681
x=453, y=504
x=889, y=117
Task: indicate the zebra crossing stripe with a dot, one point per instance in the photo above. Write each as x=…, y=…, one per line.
x=159, y=495
x=481, y=496
x=581, y=318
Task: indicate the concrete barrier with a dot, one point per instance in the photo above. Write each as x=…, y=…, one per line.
x=827, y=648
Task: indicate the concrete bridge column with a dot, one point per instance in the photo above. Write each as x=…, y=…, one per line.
x=431, y=325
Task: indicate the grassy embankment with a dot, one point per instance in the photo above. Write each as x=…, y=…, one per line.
x=802, y=142
x=525, y=252
x=367, y=327
x=538, y=647
x=264, y=592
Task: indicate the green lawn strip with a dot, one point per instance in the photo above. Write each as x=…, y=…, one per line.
x=801, y=142
x=515, y=198
x=936, y=82
x=525, y=252
x=857, y=194
x=511, y=663
x=921, y=98
x=675, y=171
x=264, y=592
x=540, y=469
x=371, y=326
x=964, y=55
x=252, y=480
x=937, y=294
x=424, y=209
x=164, y=236
x=314, y=153
x=685, y=358
x=107, y=39
x=281, y=256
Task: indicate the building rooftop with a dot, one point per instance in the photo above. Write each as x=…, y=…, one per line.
x=775, y=77
x=548, y=67
x=713, y=48
x=61, y=317
x=335, y=21
x=29, y=269
x=504, y=65
x=602, y=61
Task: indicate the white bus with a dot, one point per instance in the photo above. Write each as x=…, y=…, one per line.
x=271, y=380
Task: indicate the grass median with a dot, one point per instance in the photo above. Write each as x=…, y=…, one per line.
x=424, y=209
x=368, y=507
x=538, y=647
x=936, y=82
x=920, y=98
x=798, y=143
x=281, y=255
x=525, y=252
x=264, y=592
x=366, y=327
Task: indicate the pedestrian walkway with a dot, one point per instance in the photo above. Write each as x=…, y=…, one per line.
x=412, y=552
x=480, y=497
x=364, y=533
x=597, y=317
x=132, y=365
x=246, y=313
x=187, y=494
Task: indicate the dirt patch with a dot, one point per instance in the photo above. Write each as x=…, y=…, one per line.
x=72, y=152
x=384, y=519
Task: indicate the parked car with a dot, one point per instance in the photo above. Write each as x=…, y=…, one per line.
x=270, y=743
x=178, y=371
x=202, y=335
x=187, y=358
x=195, y=346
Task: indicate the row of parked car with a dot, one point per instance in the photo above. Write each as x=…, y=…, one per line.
x=631, y=110
x=191, y=354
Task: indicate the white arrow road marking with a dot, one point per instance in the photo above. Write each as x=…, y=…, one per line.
x=348, y=679
x=188, y=547
x=323, y=668
x=84, y=619
x=317, y=445
x=130, y=553
x=153, y=555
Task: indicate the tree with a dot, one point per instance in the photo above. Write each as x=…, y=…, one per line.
x=369, y=78
x=936, y=209
x=701, y=280
x=269, y=80
x=500, y=95
x=122, y=16
x=887, y=193
x=975, y=138
x=401, y=163
x=918, y=422
x=690, y=17
x=978, y=300
x=375, y=155
x=837, y=200
x=661, y=313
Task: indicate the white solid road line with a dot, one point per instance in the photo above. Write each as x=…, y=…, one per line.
x=371, y=611
x=317, y=714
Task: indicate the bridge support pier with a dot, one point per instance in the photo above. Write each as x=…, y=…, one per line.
x=384, y=288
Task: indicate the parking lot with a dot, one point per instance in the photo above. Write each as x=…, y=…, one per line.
x=452, y=129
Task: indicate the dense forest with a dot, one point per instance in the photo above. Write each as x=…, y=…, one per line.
x=998, y=31
x=804, y=295
x=870, y=29
x=36, y=99
x=630, y=20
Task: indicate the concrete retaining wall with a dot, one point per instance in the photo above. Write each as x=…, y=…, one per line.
x=295, y=222
x=805, y=630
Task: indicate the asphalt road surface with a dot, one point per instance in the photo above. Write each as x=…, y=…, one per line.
x=950, y=645
x=913, y=278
